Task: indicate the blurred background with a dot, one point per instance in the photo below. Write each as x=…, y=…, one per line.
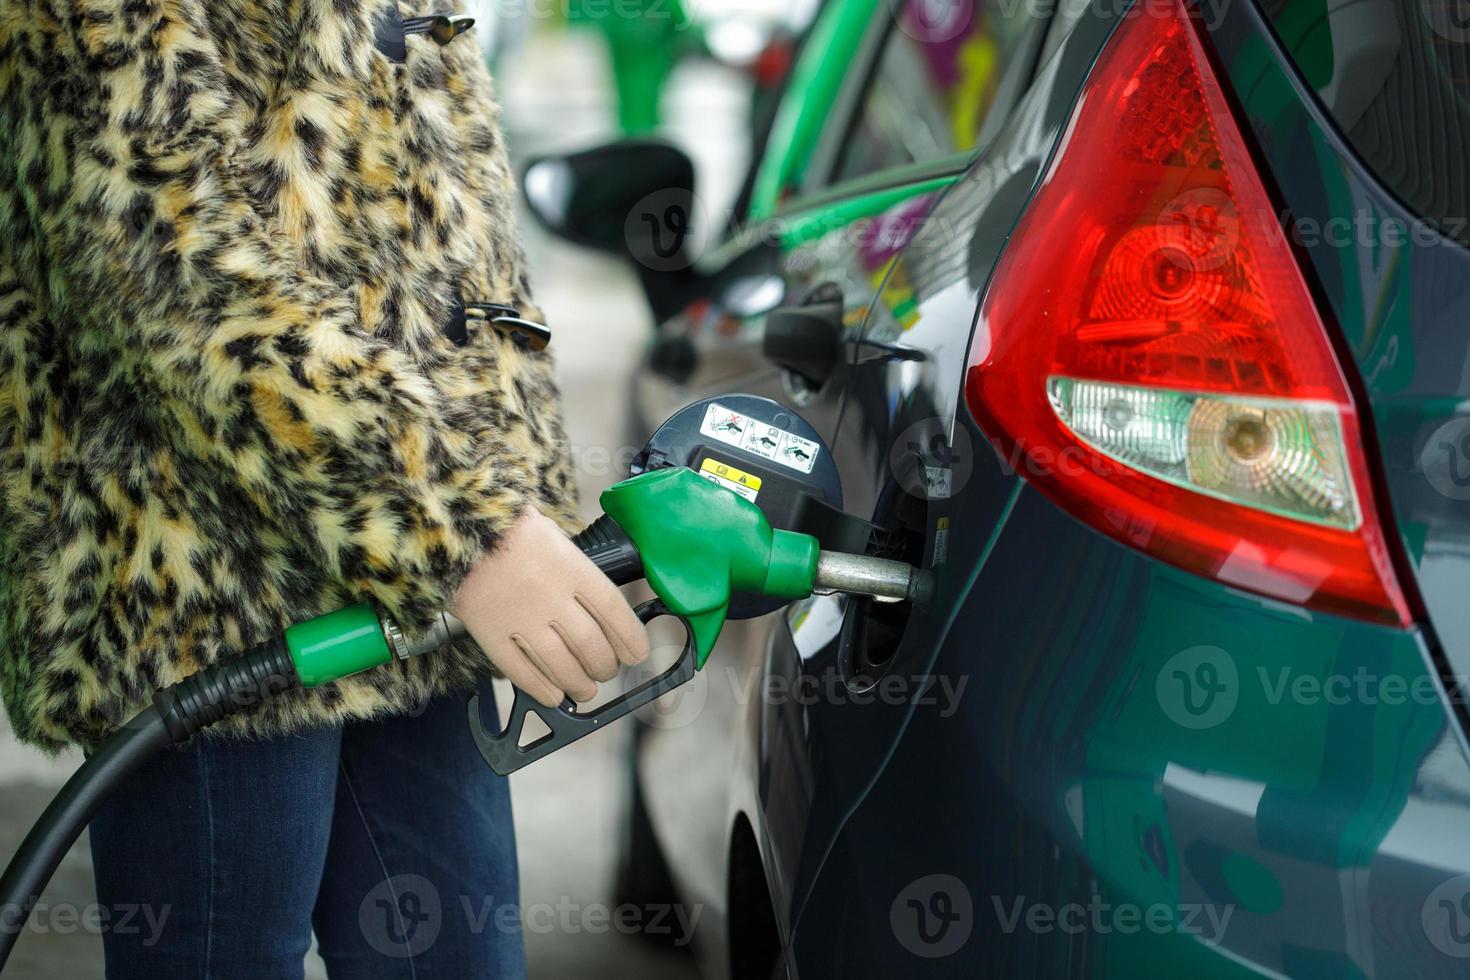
x=570, y=73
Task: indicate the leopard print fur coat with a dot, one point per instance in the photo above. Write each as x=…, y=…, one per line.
x=232, y=233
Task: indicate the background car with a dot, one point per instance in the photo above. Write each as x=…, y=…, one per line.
x=1145, y=329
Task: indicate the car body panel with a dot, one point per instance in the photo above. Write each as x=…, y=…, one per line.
x=1081, y=779
x=894, y=403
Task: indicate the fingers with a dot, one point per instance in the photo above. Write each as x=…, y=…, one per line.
x=588, y=644
x=552, y=658
x=624, y=632
x=521, y=671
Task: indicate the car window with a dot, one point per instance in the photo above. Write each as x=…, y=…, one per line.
x=934, y=84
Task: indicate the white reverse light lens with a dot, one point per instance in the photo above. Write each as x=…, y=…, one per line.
x=1286, y=457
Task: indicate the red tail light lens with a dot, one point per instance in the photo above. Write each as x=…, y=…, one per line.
x=1149, y=353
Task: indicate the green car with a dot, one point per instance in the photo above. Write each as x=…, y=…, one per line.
x=1147, y=328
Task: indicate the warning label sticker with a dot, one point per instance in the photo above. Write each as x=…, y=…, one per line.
x=798, y=453
x=767, y=441
x=748, y=485
x=761, y=439
x=724, y=425
x=941, y=541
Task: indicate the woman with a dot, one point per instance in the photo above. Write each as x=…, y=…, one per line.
x=239, y=388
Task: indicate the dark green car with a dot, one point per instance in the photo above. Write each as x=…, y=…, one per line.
x=1147, y=327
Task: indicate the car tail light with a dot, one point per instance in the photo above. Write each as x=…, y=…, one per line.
x=1149, y=355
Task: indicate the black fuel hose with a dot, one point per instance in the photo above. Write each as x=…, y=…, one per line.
x=176, y=715
x=52, y=836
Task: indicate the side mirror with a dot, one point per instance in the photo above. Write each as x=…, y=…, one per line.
x=633, y=198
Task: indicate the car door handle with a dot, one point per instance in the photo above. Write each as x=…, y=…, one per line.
x=805, y=340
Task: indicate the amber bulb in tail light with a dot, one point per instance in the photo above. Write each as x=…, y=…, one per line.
x=1149, y=351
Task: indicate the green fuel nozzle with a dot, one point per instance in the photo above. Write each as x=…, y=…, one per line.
x=696, y=543
x=699, y=543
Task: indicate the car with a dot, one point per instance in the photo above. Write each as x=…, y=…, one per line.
x=1143, y=326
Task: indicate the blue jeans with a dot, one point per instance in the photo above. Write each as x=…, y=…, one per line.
x=390, y=839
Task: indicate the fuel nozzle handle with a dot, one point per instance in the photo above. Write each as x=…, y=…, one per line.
x=611, y=550
x=696, y=544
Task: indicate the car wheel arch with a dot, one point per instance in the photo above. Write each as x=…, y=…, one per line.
x=754, y=937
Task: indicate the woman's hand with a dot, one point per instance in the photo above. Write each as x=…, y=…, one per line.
x=546, y=616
